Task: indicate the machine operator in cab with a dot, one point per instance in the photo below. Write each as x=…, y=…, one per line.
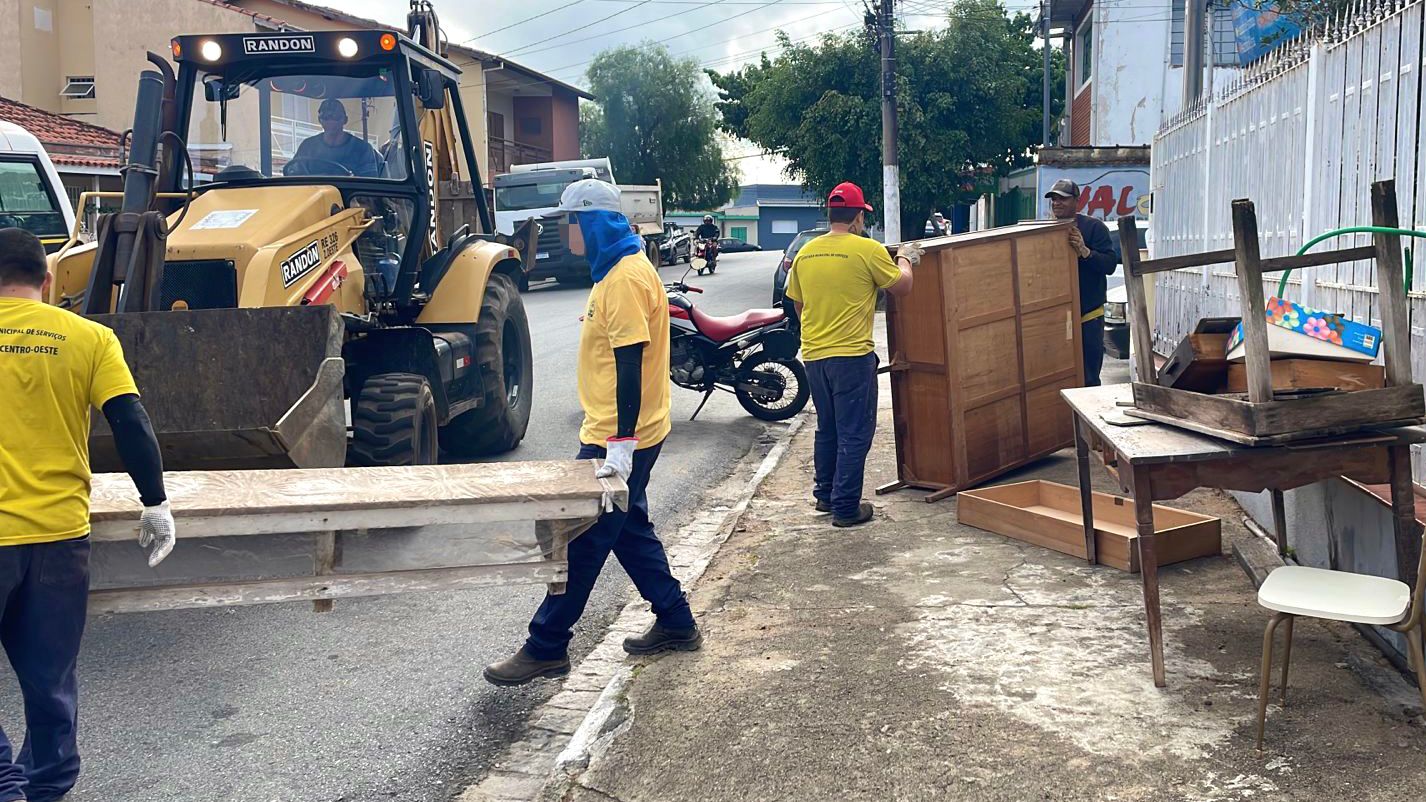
x=54, y=366
x=334, y=146
x=622, y=376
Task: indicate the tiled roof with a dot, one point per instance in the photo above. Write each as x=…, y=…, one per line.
x=67, y=140
x=273, y=21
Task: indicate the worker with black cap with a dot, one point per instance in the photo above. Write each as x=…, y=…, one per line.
x=1097, y=260
x=334, y=151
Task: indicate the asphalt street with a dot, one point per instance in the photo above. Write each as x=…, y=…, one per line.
x=382, y=698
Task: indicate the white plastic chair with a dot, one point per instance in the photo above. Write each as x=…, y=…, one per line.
x=1294, y=590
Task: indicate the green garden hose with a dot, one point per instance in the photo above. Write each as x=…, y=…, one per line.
x=1337, y=232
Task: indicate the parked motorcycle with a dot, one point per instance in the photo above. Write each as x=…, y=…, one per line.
x=705, y=255
x=753, y=355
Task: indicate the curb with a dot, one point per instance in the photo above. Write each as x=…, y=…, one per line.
x=566, y=731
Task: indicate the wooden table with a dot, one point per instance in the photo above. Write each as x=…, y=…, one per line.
x=1158, y=462
x=265, y=536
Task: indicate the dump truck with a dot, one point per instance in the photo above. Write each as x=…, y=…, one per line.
x=277, y=268
x=530, y=192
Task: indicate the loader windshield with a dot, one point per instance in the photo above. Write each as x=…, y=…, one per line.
x=252, y=125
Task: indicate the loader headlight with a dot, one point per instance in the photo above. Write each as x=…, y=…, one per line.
x=347, y=47
x=210, y=50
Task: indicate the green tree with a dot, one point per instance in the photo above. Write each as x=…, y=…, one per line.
x=655, y=118
x=968, y=96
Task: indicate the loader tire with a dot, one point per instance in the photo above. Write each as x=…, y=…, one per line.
x=394, y=422
x=502, y=349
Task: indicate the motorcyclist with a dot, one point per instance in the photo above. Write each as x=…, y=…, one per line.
x=709, y=229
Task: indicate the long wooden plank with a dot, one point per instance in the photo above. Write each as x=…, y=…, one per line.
x=1316, y=259
x=1293, y=418
x=260, y=522
x=322, y=588
x=1181, y=261
x=194, y=494
x=1161, y=444
x=1250, y=293
x=1139, y=331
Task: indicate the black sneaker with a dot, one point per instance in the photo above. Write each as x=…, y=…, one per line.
x=661, y=639
x=522, y=668
x=864, y=513
x=822, y=506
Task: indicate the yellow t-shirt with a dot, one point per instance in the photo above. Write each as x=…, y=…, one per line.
x=628, y=307
x=835, y=277
x=54, y=365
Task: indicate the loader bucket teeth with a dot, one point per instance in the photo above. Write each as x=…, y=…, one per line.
x=234, y=388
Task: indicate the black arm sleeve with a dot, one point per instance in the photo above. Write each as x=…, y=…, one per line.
x=138, y=448
x=1101, y=249
x=629, y=368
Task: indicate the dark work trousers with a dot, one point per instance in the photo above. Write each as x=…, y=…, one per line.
x=1091, y=334
x=844, y=392
x=44, y=592
x=630, y=535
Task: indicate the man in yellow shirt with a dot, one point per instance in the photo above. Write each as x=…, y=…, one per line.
x=54, y=366
x=622, y=375
x=834, y=281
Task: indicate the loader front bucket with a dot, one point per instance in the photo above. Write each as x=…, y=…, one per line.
x=234, y=388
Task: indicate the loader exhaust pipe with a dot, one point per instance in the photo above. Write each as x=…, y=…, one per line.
x=131, y=240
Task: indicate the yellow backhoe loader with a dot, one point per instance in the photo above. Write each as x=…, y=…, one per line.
x=277, y=253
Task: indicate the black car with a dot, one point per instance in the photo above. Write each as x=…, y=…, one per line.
x=730, y=245
x=675, y=245
x=779, y=277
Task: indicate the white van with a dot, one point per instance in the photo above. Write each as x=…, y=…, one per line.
x=31, y=195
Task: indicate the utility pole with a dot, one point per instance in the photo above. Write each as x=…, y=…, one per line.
x=1045, y=79
x=890, y=179
x=1193, y=13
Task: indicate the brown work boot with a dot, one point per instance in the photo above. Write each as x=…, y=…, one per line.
x=864, y=514
x=662, y=639
x=522, y=668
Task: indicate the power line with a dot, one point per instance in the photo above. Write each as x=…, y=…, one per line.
x=558, y=70
x=758, y=7
x=586, y=26
x=525, y=20
x=604, y=34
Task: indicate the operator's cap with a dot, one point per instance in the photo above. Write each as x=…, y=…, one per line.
x=331, y=107
x=590, y=195
x=847, y=195
x=1063, y=188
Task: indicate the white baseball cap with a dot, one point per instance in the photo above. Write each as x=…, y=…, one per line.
x=590, y=195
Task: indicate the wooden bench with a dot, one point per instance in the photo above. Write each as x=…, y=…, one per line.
x=258, y=537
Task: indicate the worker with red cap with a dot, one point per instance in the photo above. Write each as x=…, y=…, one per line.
x=833, y=282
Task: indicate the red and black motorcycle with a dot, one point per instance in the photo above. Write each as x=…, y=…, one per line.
x=752, y=355
x=707, y=251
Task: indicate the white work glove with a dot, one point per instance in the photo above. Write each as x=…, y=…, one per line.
x=156, y=529
x=619, y=460
x=911, y=252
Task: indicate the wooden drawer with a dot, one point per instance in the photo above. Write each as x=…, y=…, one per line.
x=1048, y=514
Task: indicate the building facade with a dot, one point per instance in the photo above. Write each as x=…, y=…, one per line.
x=767, y=215
x=515, y=115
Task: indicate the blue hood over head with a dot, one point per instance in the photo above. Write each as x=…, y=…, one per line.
x=608, y=238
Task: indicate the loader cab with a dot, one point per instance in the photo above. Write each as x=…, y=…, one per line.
x=354, y=110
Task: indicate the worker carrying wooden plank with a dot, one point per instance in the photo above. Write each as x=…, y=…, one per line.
x=834, y=282
x=55, y=365
x=622, y=374
x=1090, y=239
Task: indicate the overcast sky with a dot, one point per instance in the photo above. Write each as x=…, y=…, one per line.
x=551, y=35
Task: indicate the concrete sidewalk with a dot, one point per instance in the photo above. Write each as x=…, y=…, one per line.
x=919, y=659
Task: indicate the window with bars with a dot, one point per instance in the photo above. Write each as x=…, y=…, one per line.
x=78, y=87
x=1225, y=40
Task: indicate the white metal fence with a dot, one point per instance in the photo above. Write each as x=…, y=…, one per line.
x=1303, y=133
